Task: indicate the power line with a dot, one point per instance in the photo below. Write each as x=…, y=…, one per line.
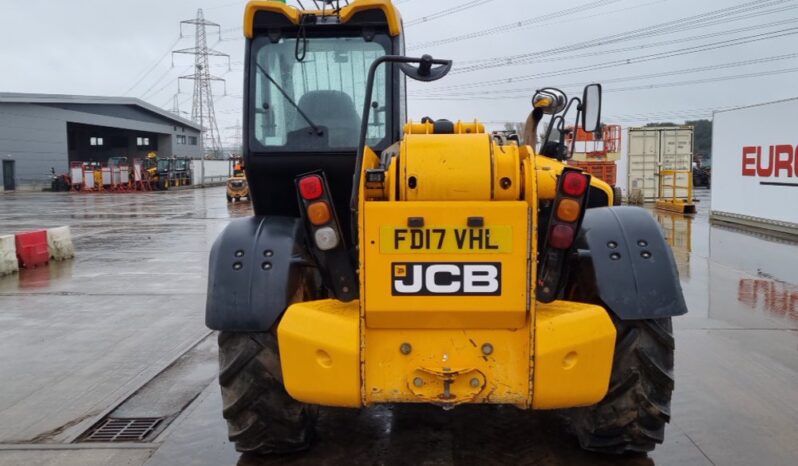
x=152, y=68
x=149, y=95
x=446, y=12
x=712, y=18
x=633, y=60
x=725, y=32
x=686, y=114
x=592, y=15
x=514, y=25
x=629, y=88
x=735, y=64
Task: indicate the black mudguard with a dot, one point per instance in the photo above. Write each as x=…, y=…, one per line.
x=634, y=269
x=256, y=265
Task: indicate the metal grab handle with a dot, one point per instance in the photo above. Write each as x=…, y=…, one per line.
x=426, y=73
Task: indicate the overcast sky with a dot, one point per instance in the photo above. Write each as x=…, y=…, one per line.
x=665, y=72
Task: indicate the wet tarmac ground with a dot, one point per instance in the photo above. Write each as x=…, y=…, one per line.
x=119, y=331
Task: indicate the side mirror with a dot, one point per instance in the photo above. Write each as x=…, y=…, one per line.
x=550, y=100
x=425, y=72
x=591, y=108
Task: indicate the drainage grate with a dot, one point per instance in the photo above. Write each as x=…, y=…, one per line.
x=124, y=429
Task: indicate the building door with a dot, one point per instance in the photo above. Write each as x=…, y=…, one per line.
x=8, y=175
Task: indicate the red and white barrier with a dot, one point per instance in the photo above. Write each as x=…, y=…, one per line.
x=88, y=179
x=76, y=175
x=59, y=243
x=32, y=250
x=8, y=255
x=106, y=171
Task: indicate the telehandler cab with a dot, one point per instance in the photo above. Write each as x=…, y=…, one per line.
x=393, y=262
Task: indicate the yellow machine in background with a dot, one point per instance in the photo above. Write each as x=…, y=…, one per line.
x=237, y=186
x=394, y=262
x=165, y=173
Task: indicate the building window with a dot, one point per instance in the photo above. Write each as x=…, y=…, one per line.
x=181, y=139
x=192, y=140
x=143, y=142
x=96, y=141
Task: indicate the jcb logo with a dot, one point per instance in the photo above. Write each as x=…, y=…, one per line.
x=455, y=278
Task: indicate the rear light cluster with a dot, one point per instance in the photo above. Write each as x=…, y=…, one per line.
x=316, y=203
x=326, y=241
x=568, y=208
x=566, y=217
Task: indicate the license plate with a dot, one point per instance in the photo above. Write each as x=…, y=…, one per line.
x=446, y=240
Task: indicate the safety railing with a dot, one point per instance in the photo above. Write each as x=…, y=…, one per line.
x=676, y=191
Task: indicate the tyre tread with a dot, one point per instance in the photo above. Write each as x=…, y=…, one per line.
x=633, y=414
x=262, y=417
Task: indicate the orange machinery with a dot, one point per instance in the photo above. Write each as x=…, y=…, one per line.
x=597, y=155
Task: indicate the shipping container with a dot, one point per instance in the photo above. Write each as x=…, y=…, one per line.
x=651, y=149
x=755, y=166
x=622, y=181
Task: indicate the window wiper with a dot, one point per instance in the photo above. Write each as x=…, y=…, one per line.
x=315, y=128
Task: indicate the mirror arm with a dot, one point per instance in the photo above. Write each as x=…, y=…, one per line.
x=531, y=128
x=425, y=72
x=547, y=137
x=579, y=109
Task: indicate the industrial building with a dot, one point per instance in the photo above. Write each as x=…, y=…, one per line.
x=44, y=132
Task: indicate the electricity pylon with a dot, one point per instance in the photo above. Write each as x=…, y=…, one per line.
x=202, y=111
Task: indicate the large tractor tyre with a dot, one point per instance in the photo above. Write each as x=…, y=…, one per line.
x=261, y=417
x=633, y=414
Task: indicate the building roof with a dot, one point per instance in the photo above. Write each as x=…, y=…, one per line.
x=25, y=98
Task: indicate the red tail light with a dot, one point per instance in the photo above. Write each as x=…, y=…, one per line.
x=574, y=184
x=311, y=187
x=561, y=236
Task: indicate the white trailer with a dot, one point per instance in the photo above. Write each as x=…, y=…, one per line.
x=755, y=166
x=651, y=149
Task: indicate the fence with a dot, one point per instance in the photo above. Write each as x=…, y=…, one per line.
x=135, y=175
x=210, y=172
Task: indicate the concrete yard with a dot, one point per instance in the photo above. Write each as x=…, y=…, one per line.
x=120, y=330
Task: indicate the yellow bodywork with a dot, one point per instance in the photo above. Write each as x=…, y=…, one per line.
x=564, y=360
x=294, y=14
x=237, y=187
x=466, y=210
x=320, y=352
x=574, y=345
x=387, y=220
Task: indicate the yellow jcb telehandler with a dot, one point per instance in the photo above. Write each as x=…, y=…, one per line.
x=400, y=262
